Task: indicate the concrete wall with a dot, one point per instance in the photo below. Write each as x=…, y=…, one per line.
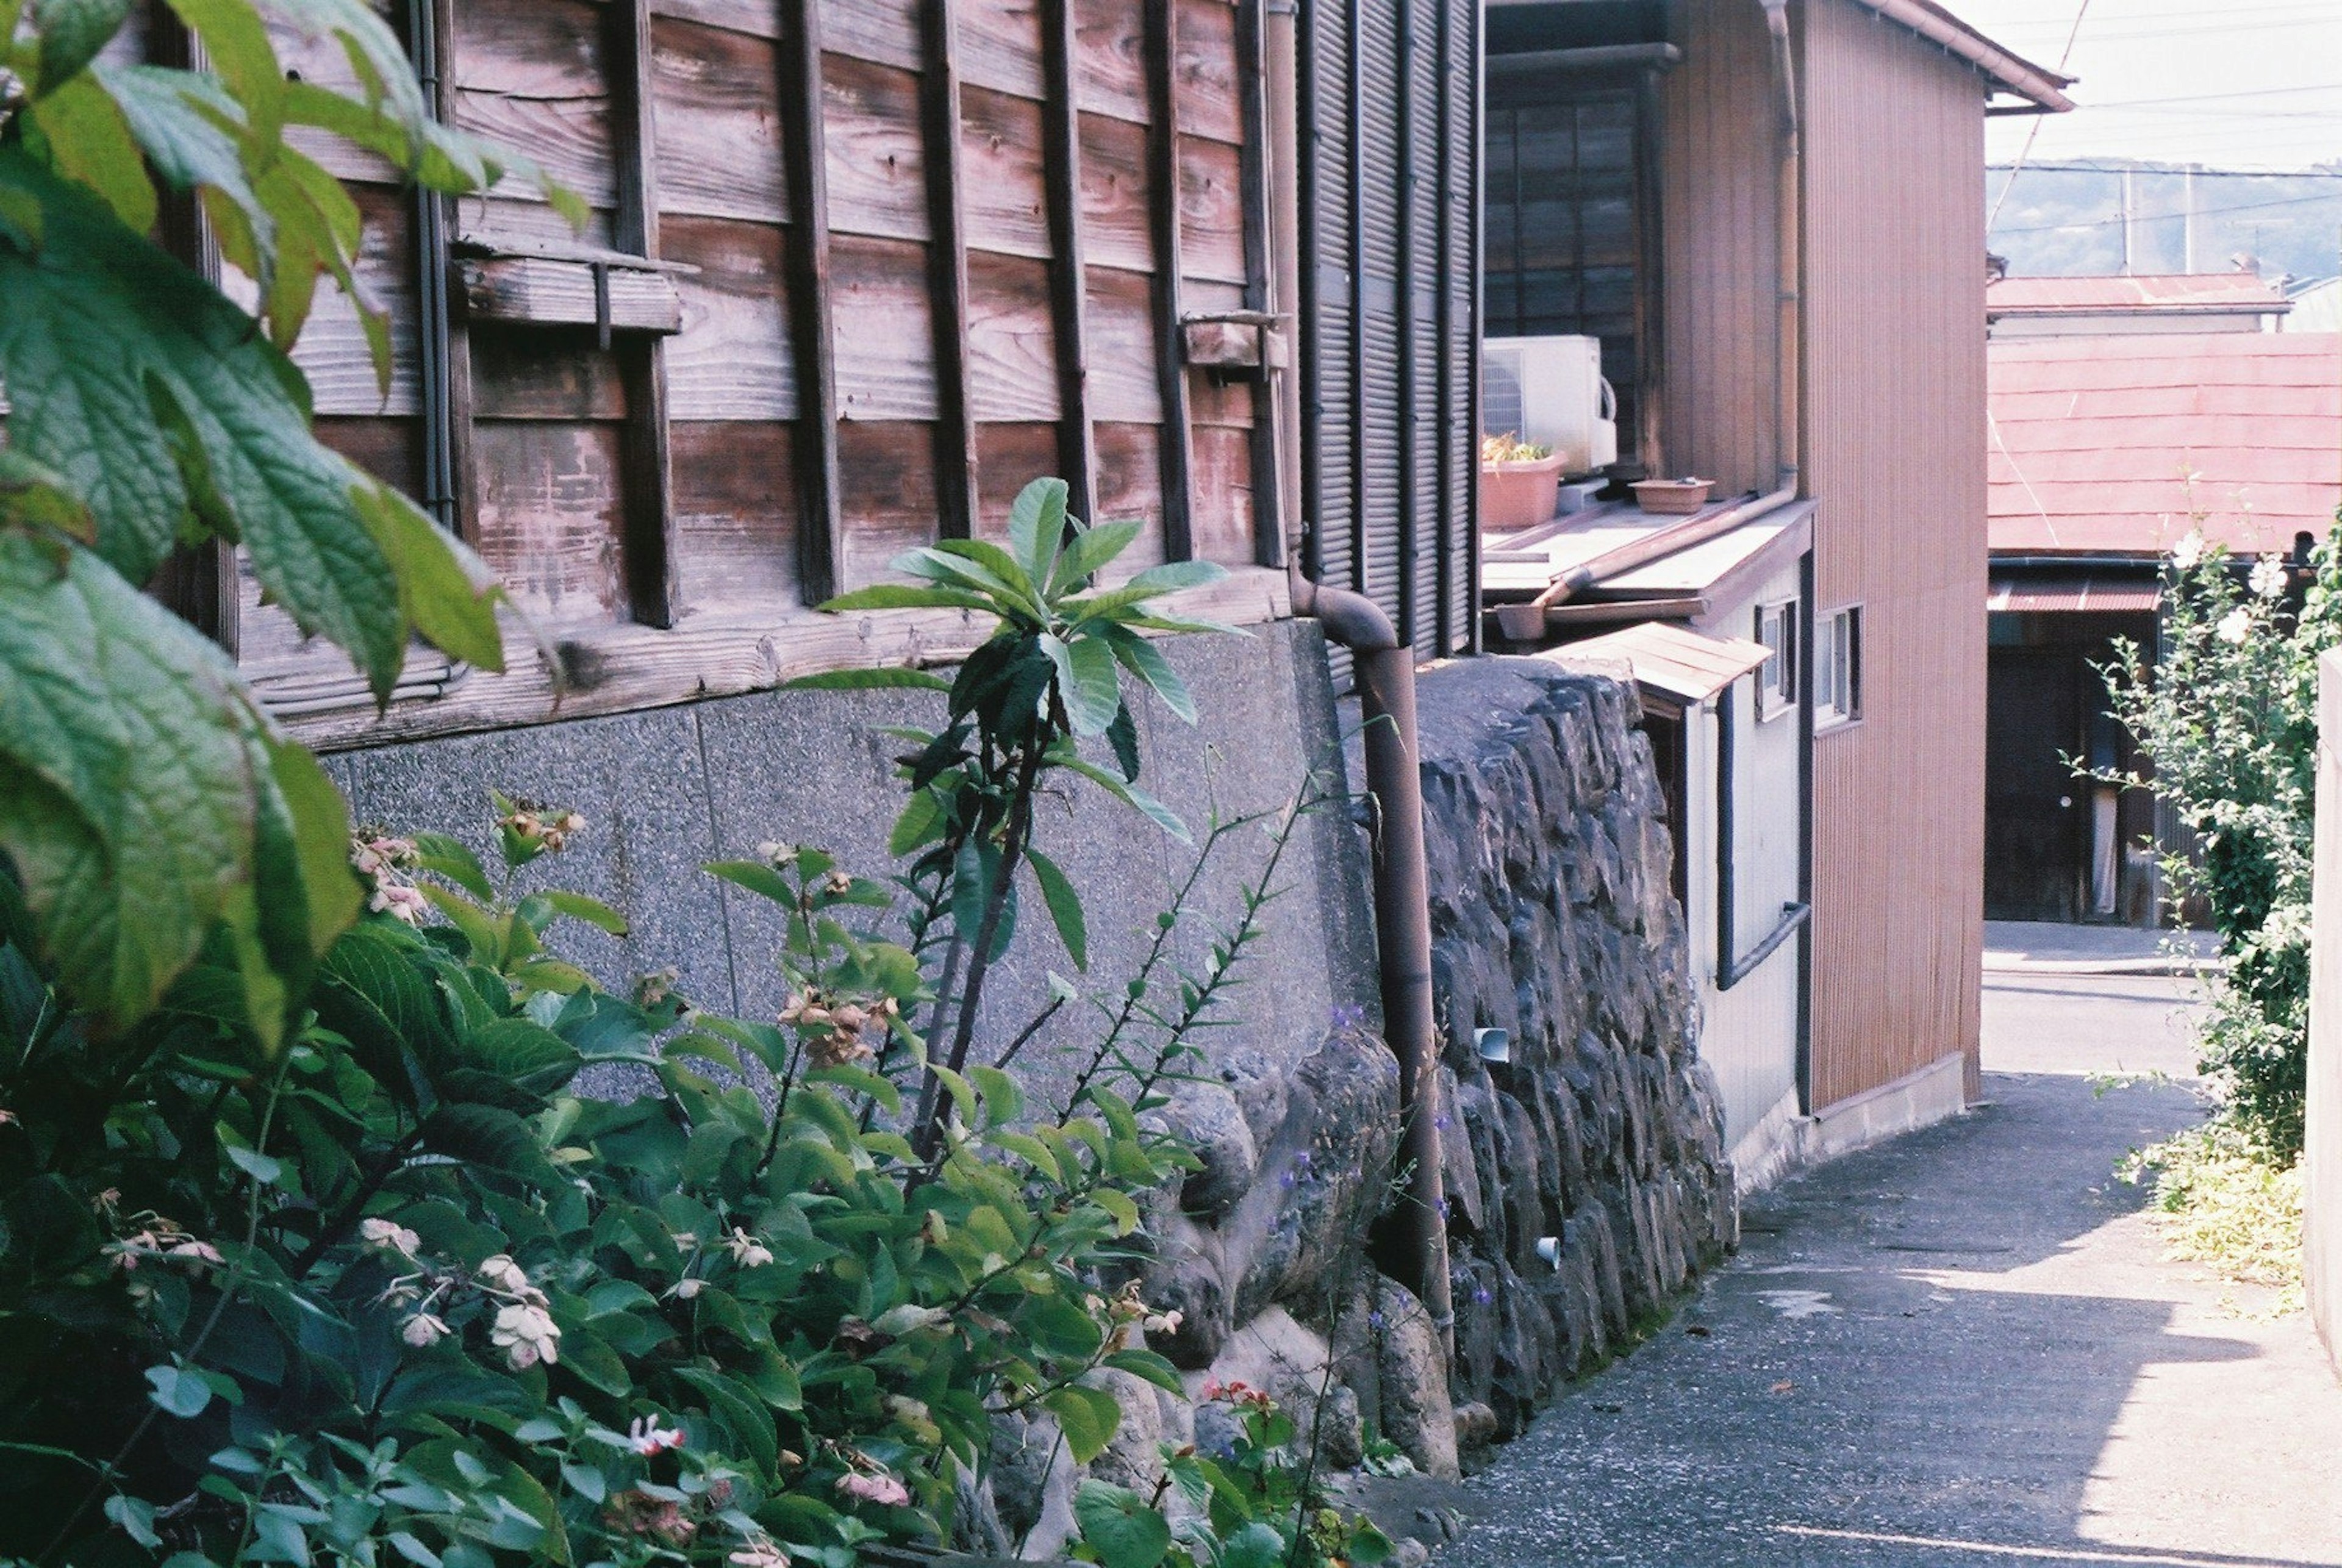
x=2322, y=1159
x=1550, y=859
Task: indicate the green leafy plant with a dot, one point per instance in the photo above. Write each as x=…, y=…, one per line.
x=144, y=797
x=2226, y=714
x=396, y=1290
x=1049, y=678
x=1257, y=1504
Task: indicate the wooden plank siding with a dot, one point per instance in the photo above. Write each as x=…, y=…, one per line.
x=924, y=252
x=1718, y=188
x=1894, y=450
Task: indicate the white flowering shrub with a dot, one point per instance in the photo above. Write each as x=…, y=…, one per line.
x=2225, y=717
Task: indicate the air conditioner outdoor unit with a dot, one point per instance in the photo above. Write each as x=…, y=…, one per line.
x=1550, y=391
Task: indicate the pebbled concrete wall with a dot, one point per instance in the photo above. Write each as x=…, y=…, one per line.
x=1553, y=920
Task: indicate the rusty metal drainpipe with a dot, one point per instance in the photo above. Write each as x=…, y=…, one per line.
x=1386, y=679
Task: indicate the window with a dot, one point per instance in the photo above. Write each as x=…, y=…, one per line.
x=1838, y=667
x=1777, y=677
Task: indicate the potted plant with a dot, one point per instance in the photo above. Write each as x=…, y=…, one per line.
x=1520, y=484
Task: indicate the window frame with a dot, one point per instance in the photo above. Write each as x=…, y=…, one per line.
x=1777, y=677
x=1838, y=703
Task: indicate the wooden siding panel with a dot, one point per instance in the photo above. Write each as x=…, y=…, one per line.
x=549, y=516
x=718, y=145
x=885, y=333
x=530, y=75
x=734, y=358
x=1896, y=454
x=736, y=512
x=877, y=164
x=1718, y=175
x=1000, y=161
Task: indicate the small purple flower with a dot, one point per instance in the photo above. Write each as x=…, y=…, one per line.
x=1483, y=1296
x=1373, y=1320
x=1440, y=1122
x=1287, y=1179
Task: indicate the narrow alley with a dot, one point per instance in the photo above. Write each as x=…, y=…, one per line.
x=1963, y=1346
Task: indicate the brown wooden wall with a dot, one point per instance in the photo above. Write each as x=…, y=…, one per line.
x=1895, y=451
x=1719, y=225
x=924, y=252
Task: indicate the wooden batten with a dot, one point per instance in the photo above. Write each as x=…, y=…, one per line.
x=538, y=291
x=821, y=537
x=1164, y=188
x=1061, y=163
x=647, y=466
x=1253, y=179
x=956, y=476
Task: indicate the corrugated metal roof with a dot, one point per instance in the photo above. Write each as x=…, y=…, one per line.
x=2110, y=444
x=1669, y=661
x=2238, y=291
x=2074, y=595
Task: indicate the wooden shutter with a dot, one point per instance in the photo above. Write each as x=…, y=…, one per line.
x=1390, y=234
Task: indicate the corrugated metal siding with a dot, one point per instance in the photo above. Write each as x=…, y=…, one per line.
x=1896, y=454
x=1718, y=174
x=1390, y=104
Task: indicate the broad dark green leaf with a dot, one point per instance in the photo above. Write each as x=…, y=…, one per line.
x=1120, y=1526
x=1143, y=659
x=88, y=140
x=1091, y=549
x=150, y=392
x=72, y=32
x=130, y=774
x=1088, y=1417
x=1123, y=736
x=903, y=596
x=1065, y=908
x=1037, y=524
x=868, y=680
x=1087, y=681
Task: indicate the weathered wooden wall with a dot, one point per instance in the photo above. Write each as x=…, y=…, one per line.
x=1895, y=451
x=923, y=251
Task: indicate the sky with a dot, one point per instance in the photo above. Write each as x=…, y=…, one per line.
x=2252, y=83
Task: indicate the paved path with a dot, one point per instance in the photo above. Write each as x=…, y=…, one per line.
x=1961, y=1348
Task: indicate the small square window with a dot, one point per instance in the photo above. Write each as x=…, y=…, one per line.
x=1838, y=667
x=1777, y=677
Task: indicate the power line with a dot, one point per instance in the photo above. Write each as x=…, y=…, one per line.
x=2201, y=213
x=2071, y=33
x=2118, y=168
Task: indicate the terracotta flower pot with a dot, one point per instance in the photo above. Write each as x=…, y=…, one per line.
x=1517, y=496
x=1672, y=496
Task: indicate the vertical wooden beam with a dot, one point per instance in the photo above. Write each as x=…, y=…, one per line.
x=1309, y=334
x=1061, y=158
x=646, y=462
x=1252, y=173
x=1163, y=191
x=1650, y=295
x=955, y=456
x=821, y=540
x=456, y=414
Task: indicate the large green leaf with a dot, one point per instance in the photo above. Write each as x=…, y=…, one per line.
x=1120, y=1526
x=1037, y=524
x=150, y=392
x=134, y=780
x=72, y=33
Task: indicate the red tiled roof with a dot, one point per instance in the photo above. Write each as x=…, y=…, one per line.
x=2178, y=292
x=2092, y=440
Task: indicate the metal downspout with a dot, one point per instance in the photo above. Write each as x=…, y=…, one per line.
x=1789, y=417
x=1386, y=681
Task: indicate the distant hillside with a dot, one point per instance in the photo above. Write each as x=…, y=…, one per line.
x=2063, y=220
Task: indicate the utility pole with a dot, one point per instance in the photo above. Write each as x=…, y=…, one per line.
x=2187, y=220
x=2129, y=253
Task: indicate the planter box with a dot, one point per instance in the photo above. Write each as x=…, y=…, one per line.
x=1672, y=496
x=1517, y=496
